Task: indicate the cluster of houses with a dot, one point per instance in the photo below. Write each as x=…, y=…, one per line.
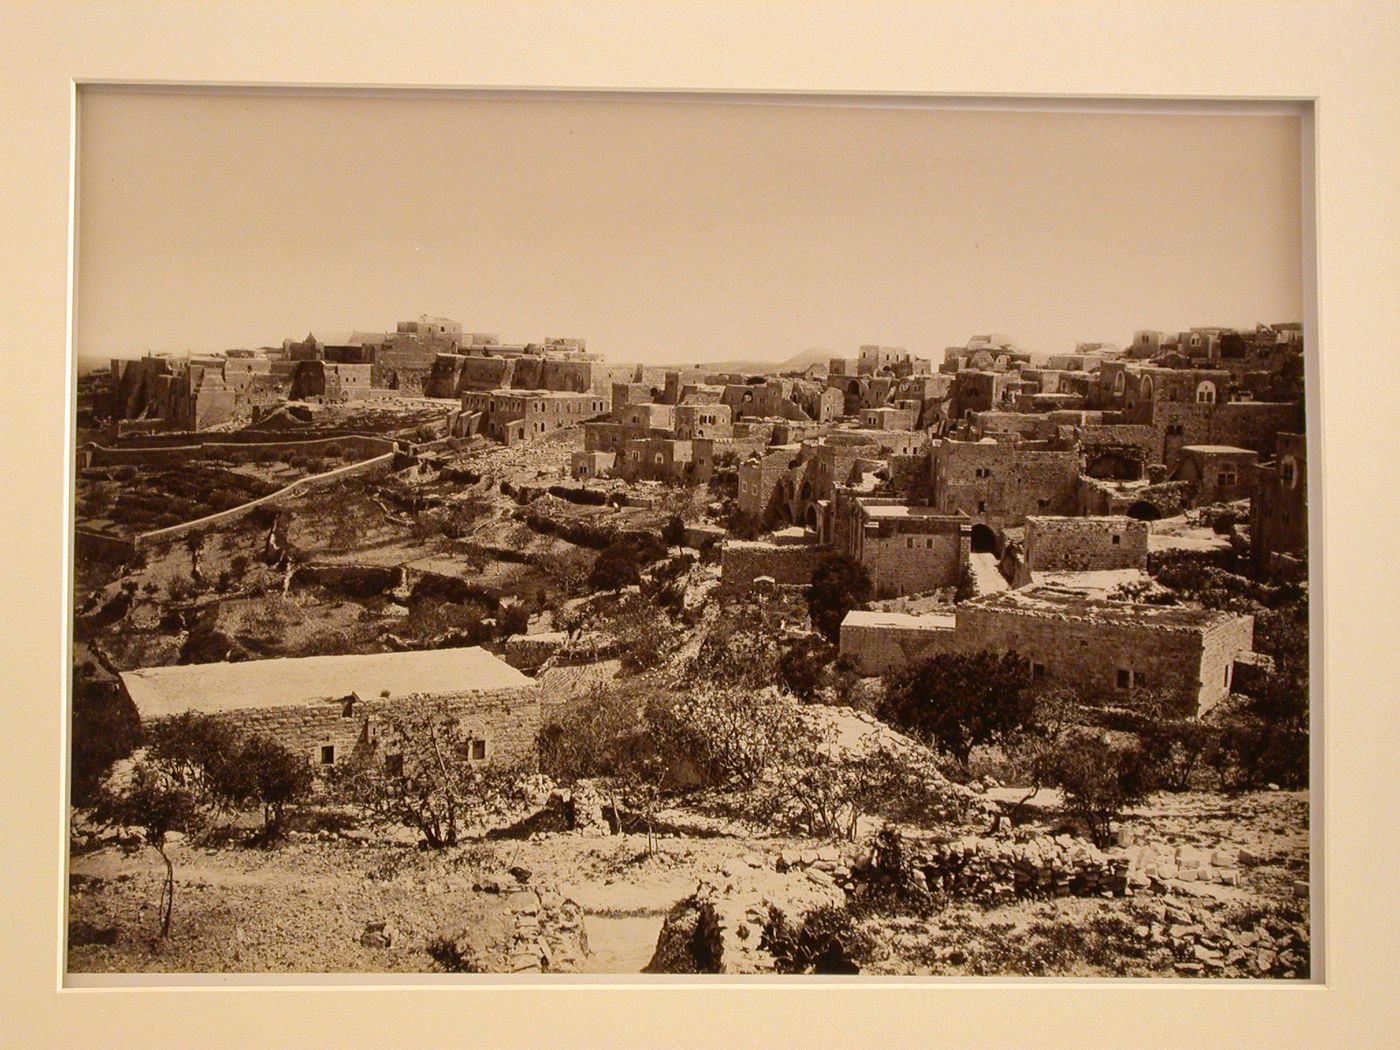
x=1033, y=485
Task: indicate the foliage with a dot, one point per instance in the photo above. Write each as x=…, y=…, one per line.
x=959, y=700
x=745, y=730
x=199, y=754
x=149, y=800
x=967, y=585
x=801, y=665
x=673, y=534
x=569, y=569
x=106, y=728
x=828, y=941
x=269, y=774
x=616, y=567
x=1098, y=779
x=839, y=584
x=436, y=788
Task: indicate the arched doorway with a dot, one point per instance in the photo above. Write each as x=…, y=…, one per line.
x=1143, y=510
x=811, y=518
x=1116, y=465
x=984, y=540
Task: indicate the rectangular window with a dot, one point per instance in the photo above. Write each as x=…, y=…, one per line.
x=1117, y=540
x=1037, y=670
x=1125, y=678
x=478, y=750
x=1227, y=479
x=327, y=754
x=981, y=506
x=1139, y=680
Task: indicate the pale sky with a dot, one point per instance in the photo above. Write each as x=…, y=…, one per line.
x=668, y=232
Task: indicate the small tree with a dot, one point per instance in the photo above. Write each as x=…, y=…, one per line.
x=153, y=803
x=839, y=584
x=1099, y=779
x=272, y=776
x=673, y=535
x=616, y=567
x=437, y=787
x=194, y=543
x=960, y=700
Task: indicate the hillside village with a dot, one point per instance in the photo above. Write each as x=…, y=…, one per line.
x=420, y=651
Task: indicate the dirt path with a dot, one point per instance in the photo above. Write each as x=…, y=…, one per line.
x=986, y=577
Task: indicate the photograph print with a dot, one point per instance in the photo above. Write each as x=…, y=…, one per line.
x=635, y=535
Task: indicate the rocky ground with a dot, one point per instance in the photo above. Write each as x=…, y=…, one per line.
x=314, y=902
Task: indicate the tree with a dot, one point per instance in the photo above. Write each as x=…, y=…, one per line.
x=673, y=535
x=957, y=701
x=200, y=754
x=194, y=543
x=150, y=801
x=272, y=776
x=615, y=568
x=1099, y=779
x=839, y=584
x=435, y=785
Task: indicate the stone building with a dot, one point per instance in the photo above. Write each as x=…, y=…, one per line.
x=1278, y=519
x=1106, y=649
x=511, y=416
x=1000, y=484
x=906, y=550
x=1217, y=473
x=328, y=708
x=1085, y=544
x=703, y=421
x=880, y=642
x=329, y=381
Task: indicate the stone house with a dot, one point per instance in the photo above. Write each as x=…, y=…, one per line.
x=1217, y=473
x=329, y=708
x=1000, y=484
x=1107, y=649
x=906, y=550
x=511, y=416
x=1089, y=544
x=880, y=642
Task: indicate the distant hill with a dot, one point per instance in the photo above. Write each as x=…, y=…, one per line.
x=797, y=363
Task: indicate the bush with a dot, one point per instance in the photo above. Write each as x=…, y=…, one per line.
x=839, y=584
x=1098, y=779
x=106, y=728
x=615, y=568
x=673, y=535
x=828, y=941
x=959, y=700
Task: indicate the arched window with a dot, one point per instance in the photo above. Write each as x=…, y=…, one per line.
x=1120, y=383
x=1205, y=392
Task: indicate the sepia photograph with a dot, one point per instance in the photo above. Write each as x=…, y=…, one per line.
x=578, y=533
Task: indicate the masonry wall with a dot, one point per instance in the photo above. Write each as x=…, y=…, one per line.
x=1015, y=484
x=911, y=555
x=1279, y=509
x=507, y=720
x=1252, y=425
x=1085, y=544
x=877, y=650
x=742, y=562
x=1223, y=642
x=1087, y=656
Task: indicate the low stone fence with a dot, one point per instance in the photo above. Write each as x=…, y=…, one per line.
x=241, y=450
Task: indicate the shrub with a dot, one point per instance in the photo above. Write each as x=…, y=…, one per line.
x=960, y=700
x=827, y=941
x=839, y=584
x=1098, y=779
x=615, y=568
x=673, y=535
x=106, y=728
x=436, y=789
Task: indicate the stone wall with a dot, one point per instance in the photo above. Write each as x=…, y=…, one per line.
x=877, y=649
x=1002, y=484
x=1085, y=544
x=1253, y=425
x=507, y=720
x=742, y=562
x=1091, y=657
x=911, y=555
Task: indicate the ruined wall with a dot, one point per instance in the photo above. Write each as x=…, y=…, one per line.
x=1085, y=544
x=1279, y=509
x=742, y=562
x=1223, y=642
